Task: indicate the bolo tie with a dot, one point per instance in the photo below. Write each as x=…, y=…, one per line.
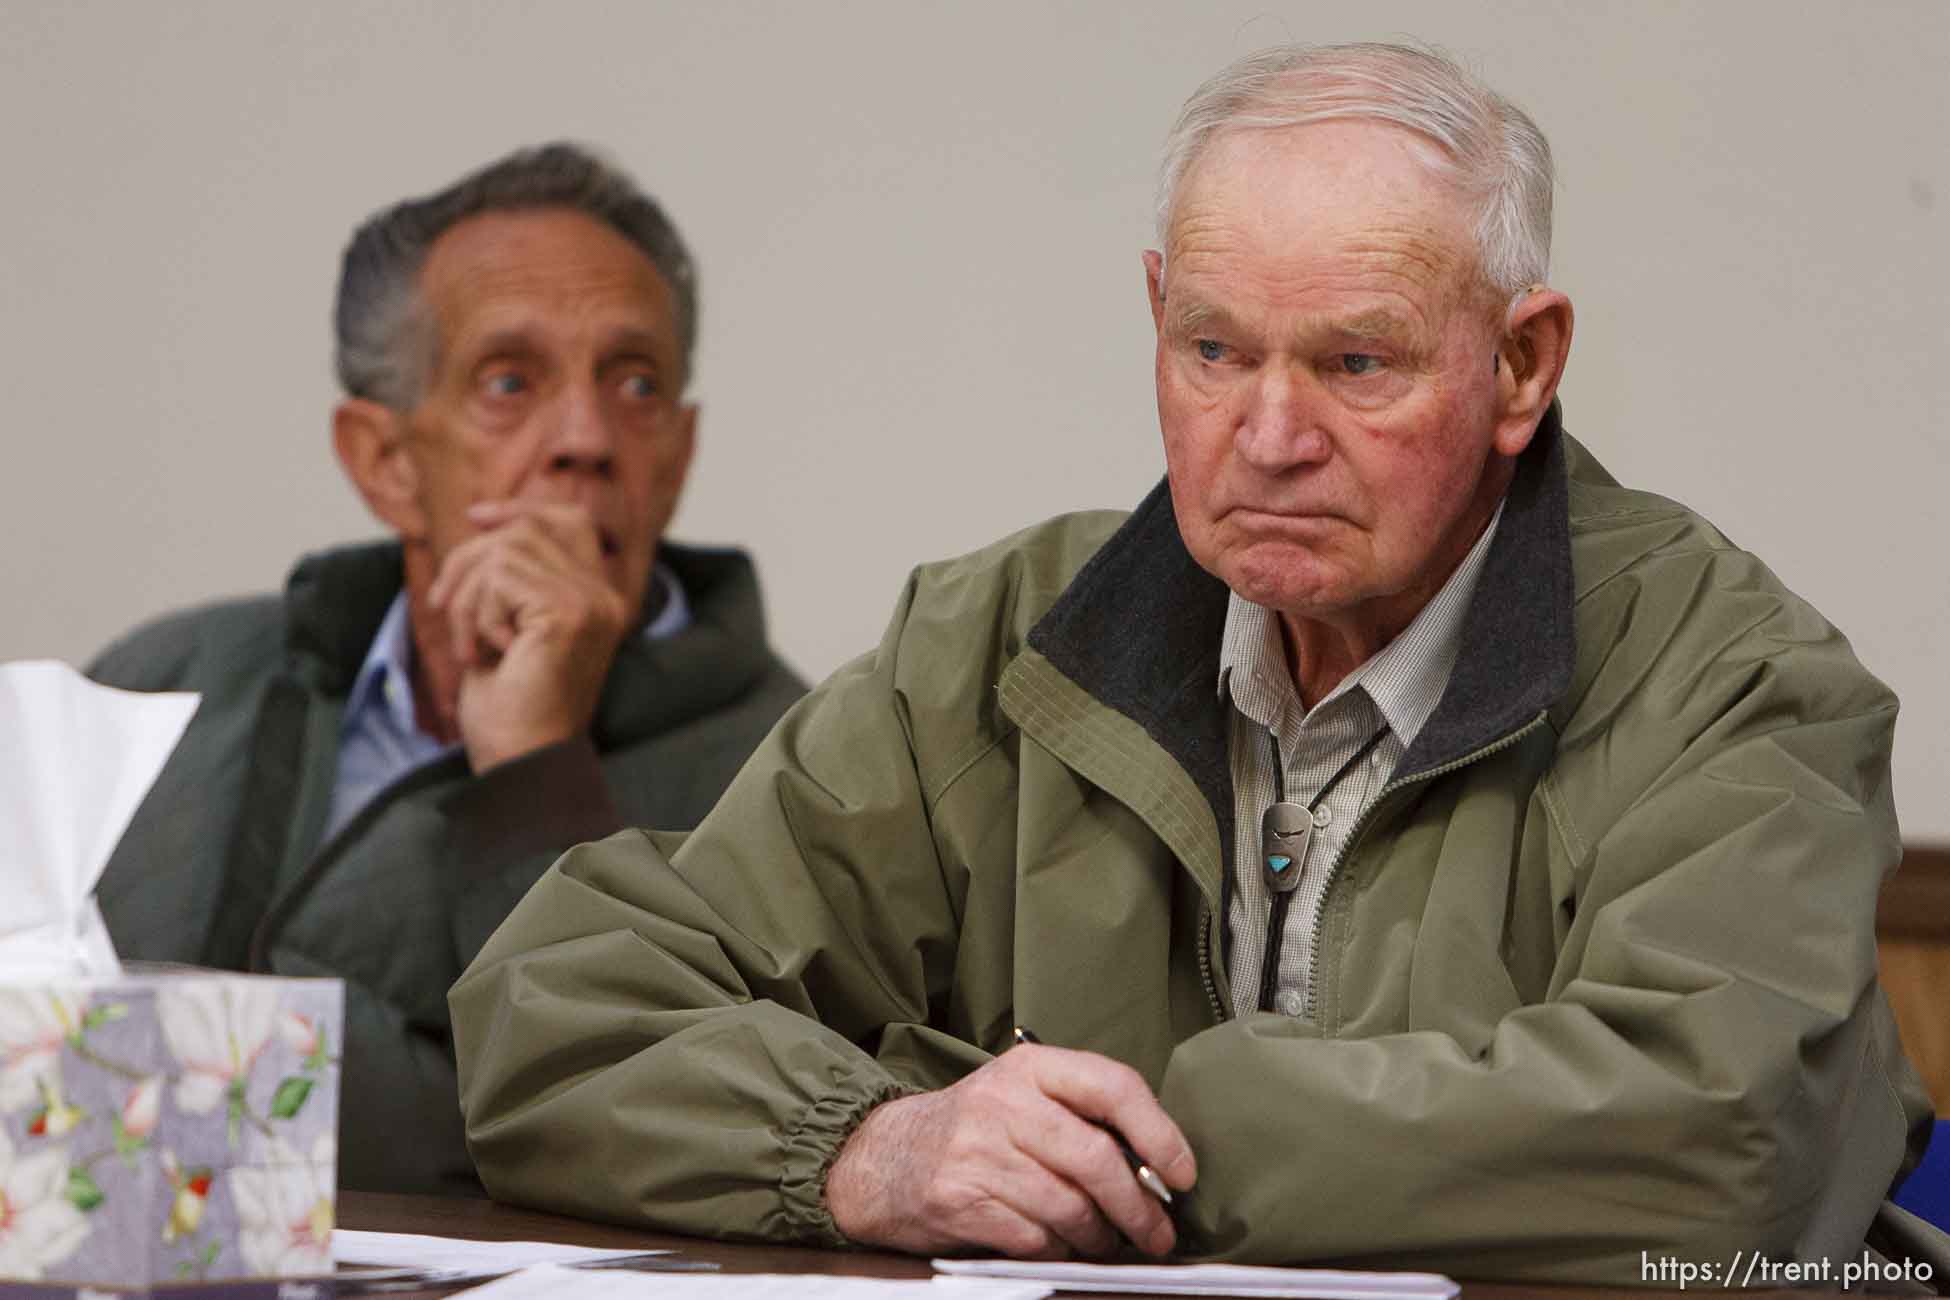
x=1286, y=829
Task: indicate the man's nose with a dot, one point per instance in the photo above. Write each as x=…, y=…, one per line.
x=1277, y=429
x=583, y=440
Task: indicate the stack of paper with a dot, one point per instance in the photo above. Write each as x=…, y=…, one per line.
x=551, y=1280
x=1210, y=1279
x=443, y=1261
x=547, y=1269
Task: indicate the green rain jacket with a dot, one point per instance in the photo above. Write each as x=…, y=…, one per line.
x=1596, y=974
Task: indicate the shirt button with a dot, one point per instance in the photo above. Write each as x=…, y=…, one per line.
x=1323, y=815
x=1289, y=1002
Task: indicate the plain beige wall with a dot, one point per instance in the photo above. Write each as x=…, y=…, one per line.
x=919, y=229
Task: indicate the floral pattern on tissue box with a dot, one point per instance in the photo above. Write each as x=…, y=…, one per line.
x=164, y=1127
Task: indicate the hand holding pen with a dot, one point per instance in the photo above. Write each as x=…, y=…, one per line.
x=1147, y=1176
x=1021, y=1156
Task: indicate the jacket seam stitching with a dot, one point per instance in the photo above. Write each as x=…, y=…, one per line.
x=1560, y=820
x=1042, y=703
x=1674, y=511
x=976, y=750
x=1876, y=1054
x=1640, y=564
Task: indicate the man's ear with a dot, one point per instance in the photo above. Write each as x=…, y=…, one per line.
x=370, y=439
x=1154, y=286
x=1530, y=361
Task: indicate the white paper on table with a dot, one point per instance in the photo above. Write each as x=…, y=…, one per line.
x=459, y=1256
x=1211, y=1279
x=76, y=759
x=548, y=1280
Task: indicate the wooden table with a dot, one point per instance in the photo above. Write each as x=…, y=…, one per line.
x=488, y=1221
x=482, y=1220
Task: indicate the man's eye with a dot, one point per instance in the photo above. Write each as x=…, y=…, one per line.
x=1211, y=350
x=1360, y=363
x=639, y=387
x=504, y=383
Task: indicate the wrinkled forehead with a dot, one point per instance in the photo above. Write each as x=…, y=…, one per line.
x=543, y=270
x=1376, y=192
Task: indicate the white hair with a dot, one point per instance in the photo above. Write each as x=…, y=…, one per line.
x=1485, y=145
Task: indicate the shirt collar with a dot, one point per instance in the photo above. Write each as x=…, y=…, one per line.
x=667, y=598
x=1405, y=678
x=384, y=681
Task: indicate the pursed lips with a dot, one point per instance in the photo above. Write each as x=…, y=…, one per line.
x=1283, y=520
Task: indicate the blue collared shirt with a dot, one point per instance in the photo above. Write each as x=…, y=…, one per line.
x=380, y=740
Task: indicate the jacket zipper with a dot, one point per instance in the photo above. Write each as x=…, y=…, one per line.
x=1223, y=1013
x=1353, y=841
x=1205, y=961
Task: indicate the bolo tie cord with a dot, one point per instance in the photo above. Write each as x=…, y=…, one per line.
x=1269, y=971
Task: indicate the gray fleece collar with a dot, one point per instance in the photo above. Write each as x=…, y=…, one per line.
x=1140, y=627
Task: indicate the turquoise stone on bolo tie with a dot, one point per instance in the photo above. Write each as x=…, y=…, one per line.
x=1284, y=829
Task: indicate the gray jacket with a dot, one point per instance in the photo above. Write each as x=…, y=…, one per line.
x=223, y=864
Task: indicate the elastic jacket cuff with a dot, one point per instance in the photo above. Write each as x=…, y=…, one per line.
x=813, y=1142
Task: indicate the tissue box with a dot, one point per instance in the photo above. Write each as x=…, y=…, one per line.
x=161, y=1132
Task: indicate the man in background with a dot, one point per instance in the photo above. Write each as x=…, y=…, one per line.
x=388, y=754
x=1421, y=848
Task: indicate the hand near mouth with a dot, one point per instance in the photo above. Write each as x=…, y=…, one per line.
x=532, y=622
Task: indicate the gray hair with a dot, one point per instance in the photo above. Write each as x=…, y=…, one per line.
x=1486, y=146
x=384, y=348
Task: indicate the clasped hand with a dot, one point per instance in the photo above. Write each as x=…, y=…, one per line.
x=1009, y=1159
x=532, y=621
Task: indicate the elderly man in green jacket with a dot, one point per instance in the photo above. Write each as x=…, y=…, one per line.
x=1417, y=846
x=390, y=753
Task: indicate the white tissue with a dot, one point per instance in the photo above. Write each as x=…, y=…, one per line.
x=76, y=759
